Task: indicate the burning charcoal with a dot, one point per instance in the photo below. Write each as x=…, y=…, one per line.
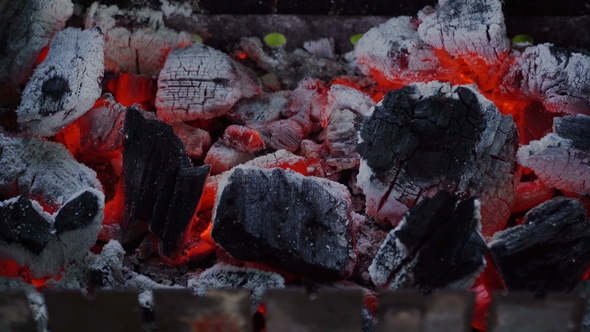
x=102, y=126
x=316, y=155
x=198, y=82
x=344, y=97
x=137, y=41
x=162, y=189
x=438, y=244
x=26, y=27
x=65, y=85
x=282, y=159
x=394, y=52
x=222, y=157
x=280, y=218
x=467, y=28
x=221, y=276
x=43, y=242
x=196, y=141
x=550, y=252
x=341, y=140
x=557, y=77
x=282, y=134
x=429, y=137
x=263, y=108
x=561, y=159
x=309, y=97
x=243, y=139
x=323, y=47
x=368, y=241
x=531, y=194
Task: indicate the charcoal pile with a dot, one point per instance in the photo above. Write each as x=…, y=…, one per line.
x=135, y=156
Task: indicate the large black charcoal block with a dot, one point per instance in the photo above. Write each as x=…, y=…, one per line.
x=280, y=218
x=549, y=252
x=162, y=190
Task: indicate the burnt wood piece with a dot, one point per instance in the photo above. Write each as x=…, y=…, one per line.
x=429, y=137
x=222, y=276
x=65, y=85
x=555, y=254
x=280, y=218
x=161, y=187
x=26, y=27
x=555, y=76
x=262, y=108
x=196, y=141
x=561, y=159
x=222, y=157
x=101, y=128
x=436, y=245
x=24, y=225
x=199, y=82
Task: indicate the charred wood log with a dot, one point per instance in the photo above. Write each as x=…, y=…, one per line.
x=438, y=244
x=561, y=159
x=299, y=224
x=65, y=85
x=429, y=137
x=161, y=187
x=550, y=252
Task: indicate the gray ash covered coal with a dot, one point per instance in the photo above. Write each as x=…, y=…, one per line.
x=549, y=252
x=298, y=224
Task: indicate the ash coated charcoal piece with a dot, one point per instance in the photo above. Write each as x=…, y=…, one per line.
x=137, y=41
x=222, y=276
x=342, y=97
x=429, y=137
x=45, y=243
x=561, y=159
x=467, y=28
x=162, y=189
x=298, y=224
x=222, y=157
x=555, y=76
x=341, y=140
x=394, y=51
x=26, y=27
x=284, y=134
x=198, y=82
x=437, y=245
x=65, y=85
x=550, y=252
x=102, y=126
x=323, y=47
x=196, y=141
x=262, y=108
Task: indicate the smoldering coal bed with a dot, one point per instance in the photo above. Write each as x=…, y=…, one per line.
x=436, y=157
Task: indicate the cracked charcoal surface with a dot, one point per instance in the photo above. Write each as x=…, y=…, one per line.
x=65, y=85
x=298, y=224
x=198, y=82
x=341, y=140
x=562, y=162
x=556, y=76
x=556, y=252
x=429, y=137
x=467, y=28
x=161, y=187
x=437, y=245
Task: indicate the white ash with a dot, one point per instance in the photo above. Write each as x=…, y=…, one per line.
x=141, y=49
x=385, y=260
x=227, y=276
x=263, y=108
x=26, y=27
x=198, y=82
x=341, y=140
x=282, y=134
x=557, y=77
x=275, y=159
x=222, y=157
x=65, y=85
x=344, y=97
x=196, y=141
x=323, y=47
x=172, y=7
x=42, y=169
x=467, y=28
x=309, y=97
x=369, y=238
x=102, y=126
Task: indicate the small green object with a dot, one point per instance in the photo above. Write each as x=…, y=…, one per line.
x=275, y=39
x=196, y=38
x=521, y=39
x=355, y=39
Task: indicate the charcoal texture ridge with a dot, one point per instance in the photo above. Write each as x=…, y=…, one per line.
x=429, y=137
x=298, y=224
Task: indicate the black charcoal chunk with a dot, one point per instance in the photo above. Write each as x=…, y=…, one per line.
x=437, y=245
x=280, y=218
x=429, y=137
x=21, y=223
x=550, y=252
x=162, y=190
x=77, y=213
x=575, y=128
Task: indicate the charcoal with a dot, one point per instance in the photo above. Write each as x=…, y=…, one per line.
x=395, y=51
x=282, y=134
x=243, y=139
x=196, y=141
x=309, y=97
x=438, y=244
x=222, y=157
x=555, y=76
x=281, y=158
x=263, y=108
x=341, y=140
x=137, y=41
x=25, y=225
x=323, y=47
x=467, y=28
x=344, y=97
x=280, y=218
x=429, y=137
x=531, y=194
x=101, y=128
x=162, y=189
x=198, y=82
x=549, y=252
x=369, y=238
x=561, y=159
x=26, y=27
x=221, y=276
x=65, y=85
